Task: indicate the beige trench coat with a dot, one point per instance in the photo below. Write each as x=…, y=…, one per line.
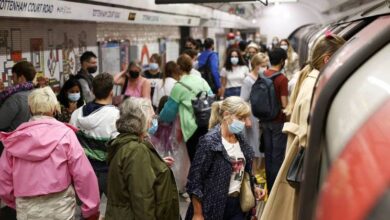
x=283, y=200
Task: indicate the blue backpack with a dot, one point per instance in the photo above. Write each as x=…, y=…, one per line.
x=264, y=102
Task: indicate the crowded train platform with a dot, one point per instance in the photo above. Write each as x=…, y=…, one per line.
x=194, y=110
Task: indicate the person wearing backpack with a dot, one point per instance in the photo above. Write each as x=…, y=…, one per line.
x=283, y=201
x=96, y=121
x=208, y=64
x=273, y=139
x=180, y=101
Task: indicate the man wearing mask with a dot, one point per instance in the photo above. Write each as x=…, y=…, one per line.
x=88, y=63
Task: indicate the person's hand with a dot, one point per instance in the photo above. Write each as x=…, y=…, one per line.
x=197, y=217
x=169, y=161
x=220, y=92
x=259, y=193
x=2, y=87
x=72, y=106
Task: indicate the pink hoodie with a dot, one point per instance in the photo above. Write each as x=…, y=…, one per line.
x=43, y=157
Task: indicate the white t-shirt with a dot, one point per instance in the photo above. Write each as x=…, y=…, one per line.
x=235, y=77
x=161, y=90
x=237, y=161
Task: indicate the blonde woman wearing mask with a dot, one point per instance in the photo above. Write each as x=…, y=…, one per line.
x=217, y=171
x=252, y=132
x=282, y=203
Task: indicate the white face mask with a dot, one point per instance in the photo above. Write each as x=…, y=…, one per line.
x=284, y=47
x=234, y=60
x=262, y=70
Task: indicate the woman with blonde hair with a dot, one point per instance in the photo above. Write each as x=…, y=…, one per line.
x=43, y=166
x=222, y=157
x=282, y=203
x=252, y=133
x=292, y=62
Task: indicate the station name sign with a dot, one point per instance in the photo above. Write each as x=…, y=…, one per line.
x=88, y=12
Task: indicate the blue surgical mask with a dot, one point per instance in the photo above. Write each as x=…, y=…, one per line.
x=153, y=129
x=74, y=97
x=234, y=60
x=236, y=126
x=261, y=71
x=153, y=66
x=284, y=47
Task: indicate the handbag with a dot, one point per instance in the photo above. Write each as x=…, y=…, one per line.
x=247, y=198
x=294, y=174
x=201, y=106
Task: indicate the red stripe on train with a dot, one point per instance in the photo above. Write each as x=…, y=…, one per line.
x=361, y=174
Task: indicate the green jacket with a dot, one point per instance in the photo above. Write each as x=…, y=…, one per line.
x=140, y=184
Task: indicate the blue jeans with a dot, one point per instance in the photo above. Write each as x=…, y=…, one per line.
x=235, y=91
x=274, y=142
x=233, y=209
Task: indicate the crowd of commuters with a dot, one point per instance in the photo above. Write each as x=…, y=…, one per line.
x=144, y=148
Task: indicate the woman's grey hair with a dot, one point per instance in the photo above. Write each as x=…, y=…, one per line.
x=134, y=113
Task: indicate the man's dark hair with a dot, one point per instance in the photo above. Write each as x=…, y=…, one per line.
x=277, y=56
x=191, y=40
x=191, y=52
x=242, y=45
x=208, y=43
x=199, y=45
x=102, y=85
x=26, y=69
x=86, y=56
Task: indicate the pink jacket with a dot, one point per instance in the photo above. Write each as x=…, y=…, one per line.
x=42, y=157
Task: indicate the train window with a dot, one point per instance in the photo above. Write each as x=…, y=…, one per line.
x=354, y=27
x=357, y=99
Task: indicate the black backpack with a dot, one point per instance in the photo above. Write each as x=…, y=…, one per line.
x=264, y=102
x=205, y=71
x=201, y=105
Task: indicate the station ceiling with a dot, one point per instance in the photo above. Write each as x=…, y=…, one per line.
x=252, y=9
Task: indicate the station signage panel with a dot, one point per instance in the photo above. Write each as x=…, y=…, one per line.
x=198, y=1
x=88, y=12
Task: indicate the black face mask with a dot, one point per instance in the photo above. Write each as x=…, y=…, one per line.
x=92, y=69
x=134, y=74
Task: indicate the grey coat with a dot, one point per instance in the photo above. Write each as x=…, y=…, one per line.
x=14, y=111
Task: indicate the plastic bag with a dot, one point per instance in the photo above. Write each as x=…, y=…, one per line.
x=169, y=141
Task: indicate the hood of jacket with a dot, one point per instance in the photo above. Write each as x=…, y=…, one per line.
x=35, y=140
x=121, y=140
x=95, y=119
x=203, y=57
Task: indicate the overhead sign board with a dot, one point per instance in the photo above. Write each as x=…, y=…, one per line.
x=88, y=12
x=198, y=1
x=265, y=2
